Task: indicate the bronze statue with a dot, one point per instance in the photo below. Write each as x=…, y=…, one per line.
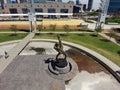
x=59, y=48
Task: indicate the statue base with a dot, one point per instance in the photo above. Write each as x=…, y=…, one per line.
x=67, y=72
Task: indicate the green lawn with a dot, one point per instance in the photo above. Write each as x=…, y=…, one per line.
x=99, y=44
x=9, y=37
x=9, y=30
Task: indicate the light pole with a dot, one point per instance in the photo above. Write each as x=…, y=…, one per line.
x=32, y=17
x=103, y=13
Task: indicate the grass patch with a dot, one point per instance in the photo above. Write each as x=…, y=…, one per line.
x=9, y=30
x=9, y=37
x=98, y=44
x=4, y=30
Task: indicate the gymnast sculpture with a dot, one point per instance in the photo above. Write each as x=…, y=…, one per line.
x=60, y=62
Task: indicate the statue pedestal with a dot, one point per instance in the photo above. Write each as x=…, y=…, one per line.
x=59, y=68
x=67, y=71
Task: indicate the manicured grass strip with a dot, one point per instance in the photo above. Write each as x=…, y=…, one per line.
x=9, y=37
x=98, y=44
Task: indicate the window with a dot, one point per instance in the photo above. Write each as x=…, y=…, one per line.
x=11, y=1
x=24, y=10
x=13, y=10
x=23, y=1
x=64, y=10
x=38, y=10
x=51, y=10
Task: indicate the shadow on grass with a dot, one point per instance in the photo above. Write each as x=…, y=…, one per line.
x=13, y=34
x=65, y=34
x=105, y=40
x=51, y=33
x=94, y=35
x=24, y=30
x=118, y=52
x=81, y=34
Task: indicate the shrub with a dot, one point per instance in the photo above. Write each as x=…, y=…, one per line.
x=14, y=29
x=66, y=28
x=40, y=27
x=97, y=30
x=53, y=27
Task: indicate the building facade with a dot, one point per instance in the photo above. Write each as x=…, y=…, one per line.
x=114, y=6
x=40, y=6
x=90, y=3
x=77, y=2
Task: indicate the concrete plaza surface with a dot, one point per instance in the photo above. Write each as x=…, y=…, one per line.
x=33, y=48
x=29, y=73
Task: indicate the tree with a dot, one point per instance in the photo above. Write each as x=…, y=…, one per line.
x=40, y=27
x=14, y=29
x=66, y=28
x=111, y=33
x=97, y=30
x=53, y=27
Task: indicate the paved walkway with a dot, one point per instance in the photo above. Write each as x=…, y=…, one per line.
x=111, y=39
x=106, y=26
x=4, y=62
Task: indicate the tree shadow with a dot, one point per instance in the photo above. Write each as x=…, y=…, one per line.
x=94, y=35
x=38, y=50
x=13, y=34
x=24, y=30
x=81, y=34
x=118, y=52
x=65, y=34
x=105, y=40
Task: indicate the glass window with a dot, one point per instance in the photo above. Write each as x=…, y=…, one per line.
x=24, y=10
x=11, y=1
x=13, y=10
x=23, y=1
x=51, y=10
x=38, y=10
x=114, y=6
x=64, y=10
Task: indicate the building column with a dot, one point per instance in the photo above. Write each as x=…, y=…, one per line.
x=5, y=1
x=18, y=1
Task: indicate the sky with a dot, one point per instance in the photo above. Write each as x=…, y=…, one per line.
x=95, y=3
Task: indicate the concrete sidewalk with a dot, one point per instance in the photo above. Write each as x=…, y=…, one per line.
x=111, y=39
x=4, y=62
